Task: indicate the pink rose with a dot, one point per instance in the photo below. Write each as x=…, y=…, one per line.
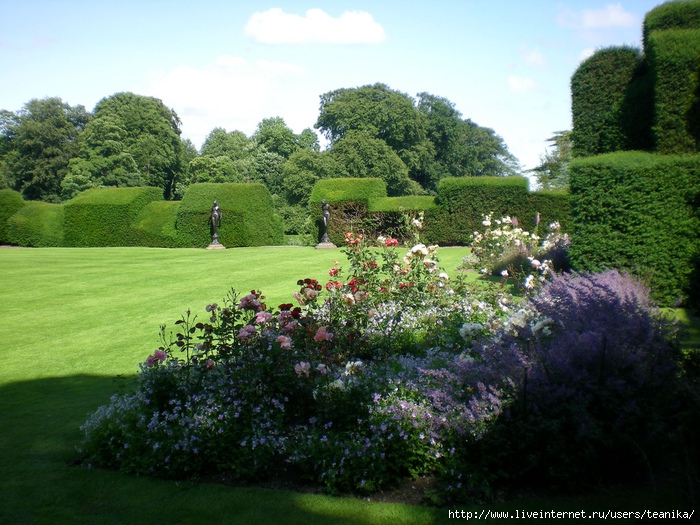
x=322, y=335
x=247, y=331
x=285, y=342
x=262, y=317
x=302, y=369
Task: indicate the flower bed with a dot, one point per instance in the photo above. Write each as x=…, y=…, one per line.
x=392, y=369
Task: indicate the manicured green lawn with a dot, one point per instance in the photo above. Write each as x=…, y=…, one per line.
x=72, y=319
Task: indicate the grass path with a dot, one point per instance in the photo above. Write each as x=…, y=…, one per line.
x=71, y=319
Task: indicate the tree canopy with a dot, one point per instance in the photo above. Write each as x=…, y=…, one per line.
x=428, y=135
x=52, y=151
x=38, y=143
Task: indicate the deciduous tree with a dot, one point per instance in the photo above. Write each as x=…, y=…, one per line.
x=38, y=143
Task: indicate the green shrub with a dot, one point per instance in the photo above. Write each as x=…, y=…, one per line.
x=671, y=15
x=349, y=200
x=599, y=89
x=37, y=224
x=248, y=215
x=155, y=224
x=674, y=58
x=552, y=205
x=10, y=202
x=462, y=202
x=103, y=216
x=638, y=212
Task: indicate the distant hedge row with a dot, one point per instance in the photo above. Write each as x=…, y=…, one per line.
x=10, y=202
x=640, y=212
x=248, y=215
x=139, y=217
x=449, y=219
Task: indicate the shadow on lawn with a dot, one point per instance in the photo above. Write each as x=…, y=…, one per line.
x=39, y=482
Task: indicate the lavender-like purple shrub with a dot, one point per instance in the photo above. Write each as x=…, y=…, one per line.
x=594, y=389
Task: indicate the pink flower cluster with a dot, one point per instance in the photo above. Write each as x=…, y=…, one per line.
x=251, y=302
x=322, y=335
x=247, y=331
x=158, y=356
x=285, y=342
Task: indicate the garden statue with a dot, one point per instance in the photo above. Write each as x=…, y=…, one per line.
x=325, y=240
x=326, y=220
x=215, y=220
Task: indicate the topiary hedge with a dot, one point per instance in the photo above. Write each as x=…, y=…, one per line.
x=248, y=216
x=639, y=212
x=103, y=216
x=605, y=102
x=462, y=202
x=38, y=224
x=10, y=202
x=674, y=57
x=671, y=15
x=552, y=205
x=155, y=225
x=349, y=199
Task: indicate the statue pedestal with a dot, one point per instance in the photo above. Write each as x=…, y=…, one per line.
x=216, y=246
x=326, y=246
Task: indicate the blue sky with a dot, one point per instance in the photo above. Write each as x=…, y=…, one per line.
x=505, y=64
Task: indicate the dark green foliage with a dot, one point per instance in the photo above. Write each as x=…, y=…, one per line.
x=552, y=205
x=10, y=202
x=349, y=200
x=39, y=141
x=155, y=225
x=674, y=58
x=103, y=217
x=600, y=98
x=671, y=15
x=151, y=138
x=248, y=215
x=37, y=224
x=639, y=212
x=462, y=202
x=363, y=156
x=302, y=170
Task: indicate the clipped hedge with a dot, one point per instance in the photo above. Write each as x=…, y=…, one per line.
x=155, y=225
x=552, y=205
x=638, y=212
x=103, y=216
x=10, y=202
x=38, y=224
x=604, y=100
x=674, y=57
x=397, y=204
x=462, y=202
x=248, y=215
x=671, y=15
x=349, y=199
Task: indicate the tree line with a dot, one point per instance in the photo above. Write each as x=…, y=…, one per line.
x=51, y=151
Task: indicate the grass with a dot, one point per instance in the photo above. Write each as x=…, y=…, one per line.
x=72, y=319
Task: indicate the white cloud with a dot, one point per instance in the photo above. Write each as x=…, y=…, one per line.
x=235, y=94
x=521, y=84
x=533, y=57
x=277, y=27
x=612, y=15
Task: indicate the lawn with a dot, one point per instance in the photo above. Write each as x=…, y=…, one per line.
x=73, y=319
